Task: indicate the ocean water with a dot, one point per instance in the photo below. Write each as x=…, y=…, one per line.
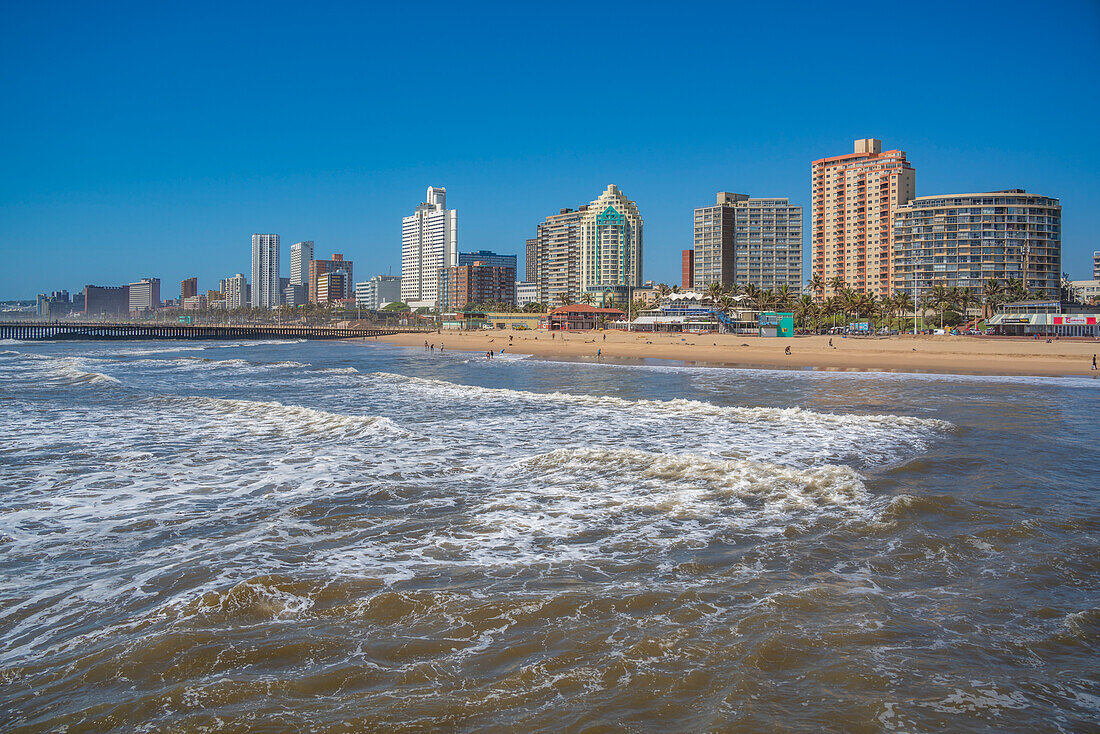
x=360, y=537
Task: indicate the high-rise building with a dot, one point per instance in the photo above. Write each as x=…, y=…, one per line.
x=144, y=295
x=332, y=286
x=295, y=295
x=854, y=198
x=742, y=240
x=300, y=255
x=1096, y=265
x=611, y=243
x=106, y=300
x=963, y=240
x=236, y=291
x=687, y=269
x=559, y=241
x=337, y=264
x=531, y=260
x=188, y=288
x=429, y=243
x=375, y=293
x=265, y=271
x=478, y=283
x=714, y=241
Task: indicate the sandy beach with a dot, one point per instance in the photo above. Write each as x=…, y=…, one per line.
x=936, y=354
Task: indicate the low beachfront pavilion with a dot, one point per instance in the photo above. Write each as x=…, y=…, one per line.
x=581, y=317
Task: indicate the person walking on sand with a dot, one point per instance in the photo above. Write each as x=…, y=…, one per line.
x=599, y=357
x=1094, y=361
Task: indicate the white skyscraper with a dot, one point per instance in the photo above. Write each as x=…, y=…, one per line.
x=429, y=243
x=265, y=271
x=236, y=291
x=300, y=255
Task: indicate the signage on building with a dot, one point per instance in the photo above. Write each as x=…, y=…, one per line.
x=1074, y=320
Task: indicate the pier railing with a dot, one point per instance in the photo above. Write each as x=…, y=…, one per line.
x=38, y=331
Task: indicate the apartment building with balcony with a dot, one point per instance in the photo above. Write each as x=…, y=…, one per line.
x=854, y=197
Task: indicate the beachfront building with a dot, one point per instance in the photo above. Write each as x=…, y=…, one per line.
x=429, y=244
x=1046, y=318
x=963, y=240
x=691, y=311
x=687, y=269
x=265, y=271
x=742, y=240
x=852, y=215
x=581, y=317
x=301, y=253
x=611, y=244
x=476, y=283
x=380, y=290
x=144, y=295
x=1087, y=290
x=557, y=269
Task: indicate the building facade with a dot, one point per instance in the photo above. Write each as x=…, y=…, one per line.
x=107, y=300
x=963, y=240
x=687, y=269
x=531, y=260
x=852, y=215
x=611, y=243
x=429, y=244
x=265, y=271
x=743, y=240
x=144, y=295
x=478, y=283
x=236, y=291
x=1087, y=290
x=332, y=286
x=558, y=256
x=337, y=264
x=188, y=288
x=380, y=290
x=1096, y=265
x=526, y=292
x=487, y=257
x=300, y=255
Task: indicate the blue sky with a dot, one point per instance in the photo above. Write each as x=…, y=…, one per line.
x=154, y=138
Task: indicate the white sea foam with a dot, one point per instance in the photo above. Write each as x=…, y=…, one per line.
x=264, y=416
x=678, y=407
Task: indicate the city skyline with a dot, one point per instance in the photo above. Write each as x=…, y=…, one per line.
x=141, y=185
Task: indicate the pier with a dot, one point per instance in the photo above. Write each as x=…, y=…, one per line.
x=39, y=331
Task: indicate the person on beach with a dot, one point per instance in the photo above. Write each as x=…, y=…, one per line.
x=1094, y=361
x=831, y=343
x=441, y=347
x=425, y=345
x=787, y=351
x=598, y=356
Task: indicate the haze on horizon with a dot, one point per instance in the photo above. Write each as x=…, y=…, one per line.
x=148, y=140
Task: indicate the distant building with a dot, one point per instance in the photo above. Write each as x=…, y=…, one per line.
x=963, y=240
x=265, y=271
x=337, y=264
x=300, y=255
x=852, y=216
x=295, y=295
x=1096, y=265
x=558, y=256
x=429, y=244
x=477, y=283
x=526, y=293
x=487, y=257
x=214, y=296
x=611, y=243
x=144, y=295
x=106, y=300
x=332, y=287
x=188, y=288
x=55, y=305
x=1087, y=290
x=380, y=290
x=531, y=260
x=193, y=303
x=687, y=269
x=743, y=240
x=236, y=291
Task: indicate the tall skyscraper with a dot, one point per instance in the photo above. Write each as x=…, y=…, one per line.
x=854, y=199
x=144, y=295
x=687, y=270
x=559, y=242
x=478, y=282
x=429, y=243
x=300, y=255
x=611, y=244
x=741, y=241
x=189, y=288
x=963, y=240
x=265, y=271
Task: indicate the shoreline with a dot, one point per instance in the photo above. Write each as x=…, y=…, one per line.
x=944, y=355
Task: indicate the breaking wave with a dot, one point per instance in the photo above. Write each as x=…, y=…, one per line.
x=294, y=419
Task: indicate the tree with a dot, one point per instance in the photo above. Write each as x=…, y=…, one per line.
x=836, y=283
x=903, y=302
x=817, y=285
x=804, y=309
x=587, y=298
x=784, y=297
x=563, y=299
x=993, y=293
x=715, y=290
x=754, y=295
x=395, y=306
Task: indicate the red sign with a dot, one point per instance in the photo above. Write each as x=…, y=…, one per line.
x=1074, y=320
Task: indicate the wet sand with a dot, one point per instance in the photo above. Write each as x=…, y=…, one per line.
x=933, y=354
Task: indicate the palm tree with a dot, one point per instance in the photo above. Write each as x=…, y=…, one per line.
x=938, y=297
x=784, y=297
x=836, y=283
x=564, y=299
x=1015, y=290
x=903, y=302
x=715, y=290
x=817, y=285
x=963, y=299
x=992, y=293
x=752, y=293
x=804, y=309
x=587, y=298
